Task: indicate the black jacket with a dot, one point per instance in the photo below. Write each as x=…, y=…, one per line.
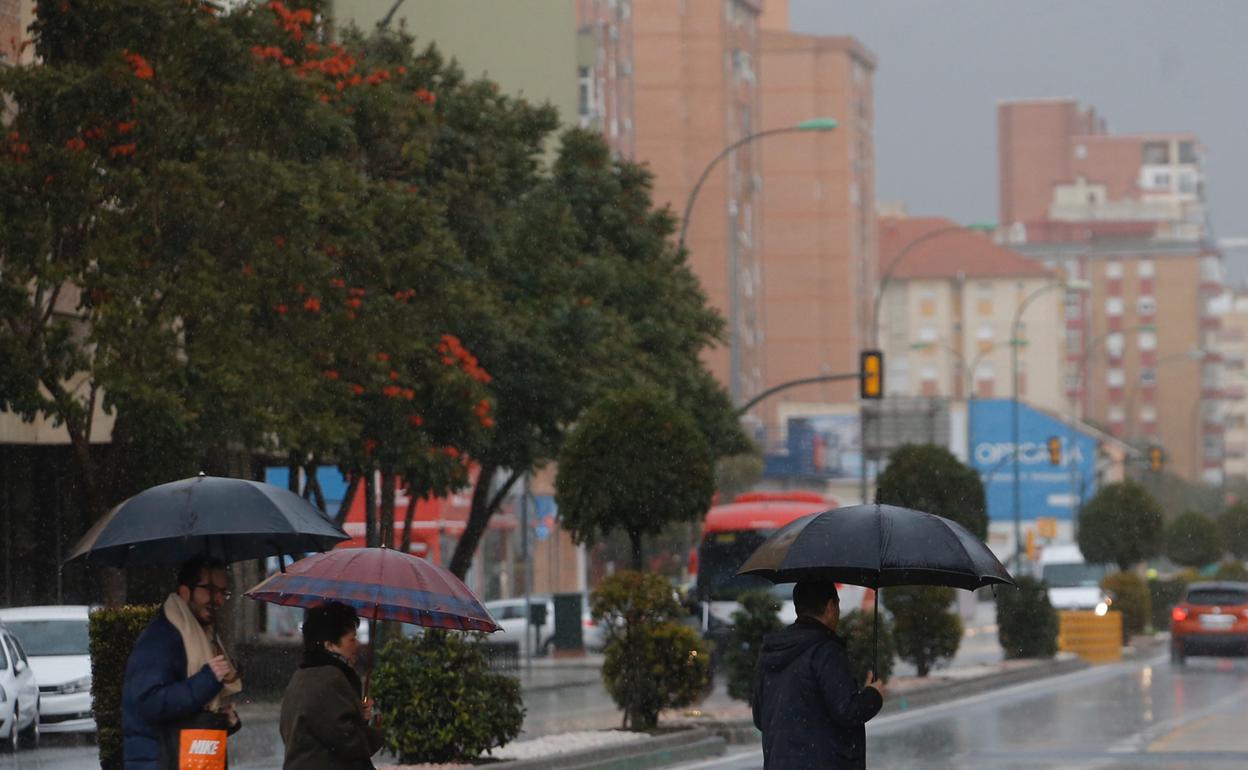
x=809, y=708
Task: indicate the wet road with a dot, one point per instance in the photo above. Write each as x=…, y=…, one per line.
x=1115, y=717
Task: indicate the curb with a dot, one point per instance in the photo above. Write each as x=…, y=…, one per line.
x=684, y=746
x=561, y=685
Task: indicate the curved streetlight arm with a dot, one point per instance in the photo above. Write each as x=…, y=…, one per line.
x=706, y=172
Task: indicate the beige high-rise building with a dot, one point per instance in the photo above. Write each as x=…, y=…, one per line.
x=947, y=313
x=1233, y=349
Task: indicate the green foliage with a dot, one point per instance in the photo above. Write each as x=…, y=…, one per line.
x=1122, y=524
x=652, y=661
x=635, y=462
x=1163, y=596
x=1131, y=598
x=926, y=630
x=930, y=478
x=113, y=630
x=858, y=630
x=1232, y=570
x=1234, y=526
x=441, y=701
x=1027, y=624
x=758, y=616
x=737, y=474
x=1192, y=540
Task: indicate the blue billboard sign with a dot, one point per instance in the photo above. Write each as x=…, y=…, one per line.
x=823, y=446
x=1044, y=489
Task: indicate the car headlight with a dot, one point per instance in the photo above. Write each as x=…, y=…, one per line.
x=77, y=685
x=1102, y=607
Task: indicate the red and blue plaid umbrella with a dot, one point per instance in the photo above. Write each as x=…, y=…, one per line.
x=381, y=584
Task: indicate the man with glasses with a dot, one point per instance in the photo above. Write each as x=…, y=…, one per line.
x=178, y=679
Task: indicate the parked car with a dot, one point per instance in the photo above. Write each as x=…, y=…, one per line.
x=512, y=615
x=57, y=641
x=1073, y=584
x=1212, y=619
x=19, y=695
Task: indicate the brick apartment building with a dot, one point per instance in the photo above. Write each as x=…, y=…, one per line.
x=1126, y=213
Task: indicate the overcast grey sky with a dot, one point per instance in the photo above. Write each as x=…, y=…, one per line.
x=1164, y=65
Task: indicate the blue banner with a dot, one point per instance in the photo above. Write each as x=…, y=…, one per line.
x=1045, y=489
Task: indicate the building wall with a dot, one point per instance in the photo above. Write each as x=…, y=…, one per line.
x=605, y=72
x=1233, y=348
x=818, y=213
x=1032, y=155
x=695, y=81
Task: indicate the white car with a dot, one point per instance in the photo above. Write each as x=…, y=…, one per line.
x=512, y=615
x=19, y=696
x=57, y=641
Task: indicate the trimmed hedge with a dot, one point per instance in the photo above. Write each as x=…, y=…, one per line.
x=926, y=630
x=857, y=628
x=1027, y=624
x=114, y=630
x=1131, y=598
x=758, y=616
x=439, y=700
x=1231, y=570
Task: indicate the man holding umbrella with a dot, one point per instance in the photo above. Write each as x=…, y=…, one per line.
x=178, y=678
x=810, y=710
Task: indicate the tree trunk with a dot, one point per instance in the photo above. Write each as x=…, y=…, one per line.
x=478, y=520
x=387, y=509
x=292, y=471
x=634, y=537
x=370, y=508
x=344, y=507
x=318, y=495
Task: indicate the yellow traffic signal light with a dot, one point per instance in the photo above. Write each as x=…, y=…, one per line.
x=1156, y=458
x=872, y=370
x=1031, y=545
x=1055, y=450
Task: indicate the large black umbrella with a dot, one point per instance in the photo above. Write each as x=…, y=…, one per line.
x=229, y=519
x=877, y=546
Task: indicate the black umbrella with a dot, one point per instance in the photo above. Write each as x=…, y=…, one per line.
x=228, y=519
x=877, y=546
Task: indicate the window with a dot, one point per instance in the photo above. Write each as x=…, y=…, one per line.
x=1189, y=183
x=1187, y=152
x=1148, y=413
x=1113, y=306
x=1144, y=268
x=1113, y=269
x=1114, y=378
x=1074, y=341
x=1116, y=414
x=1073, y=307
x=984, y=332
x=1148, y=376
x=1146, y=306
x=928, y=373
x=1081, y=151
x=927, y=333
x=1114, y=345
x=1148, y=340
x=1156, y=153
x=927, y=303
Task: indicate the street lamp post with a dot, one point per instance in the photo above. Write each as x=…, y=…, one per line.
x=1014, y=342
x=734, y=340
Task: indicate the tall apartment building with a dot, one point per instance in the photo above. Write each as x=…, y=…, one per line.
x=947, y=312
x=818, y=213
x=1233, y=347
x=1127, y=213
x=605, y=99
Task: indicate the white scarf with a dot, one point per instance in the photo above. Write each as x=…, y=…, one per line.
x=199, y=647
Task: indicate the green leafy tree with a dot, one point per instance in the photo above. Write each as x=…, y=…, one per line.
x=758, y=616
x=1122, y=524
x=1131, y=597
x=652, y=661
x=929, y=478
x=924, y=628
x=1234, y=526
x=1026, y=621
x=866, y=647
x=635, y=462
x=1192, y=540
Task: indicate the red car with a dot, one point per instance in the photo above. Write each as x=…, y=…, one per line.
x=1212, y=619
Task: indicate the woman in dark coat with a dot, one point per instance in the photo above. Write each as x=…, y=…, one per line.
x=326, y=722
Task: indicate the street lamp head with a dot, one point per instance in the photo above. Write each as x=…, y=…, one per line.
x=818, y=124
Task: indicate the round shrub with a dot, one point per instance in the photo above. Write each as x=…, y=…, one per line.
x=857, y=628
x=441, y=702
x=1193, y=540
x=1232, y=570
x=1233, y=524
x=113, y=632
x=758, y=616
x=924, y=627
x=1131, y=598
x=652, y=661
x=1026, y=622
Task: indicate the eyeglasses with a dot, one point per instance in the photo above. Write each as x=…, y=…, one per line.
x=224, y=593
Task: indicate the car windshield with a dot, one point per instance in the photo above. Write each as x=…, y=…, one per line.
x=1074, y=575
x=1217, y=597
x=720, y=555
x=52, y=637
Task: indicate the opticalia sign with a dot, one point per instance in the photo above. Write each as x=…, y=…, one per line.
x=1045, y=489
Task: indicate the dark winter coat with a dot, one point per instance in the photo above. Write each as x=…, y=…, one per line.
x=157, y=694
x=321, y=724
x=810, y=710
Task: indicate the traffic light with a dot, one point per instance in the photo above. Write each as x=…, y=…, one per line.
x=1156, y=458
x=1031, y=545
x=1055, y=450
x=871, y=368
